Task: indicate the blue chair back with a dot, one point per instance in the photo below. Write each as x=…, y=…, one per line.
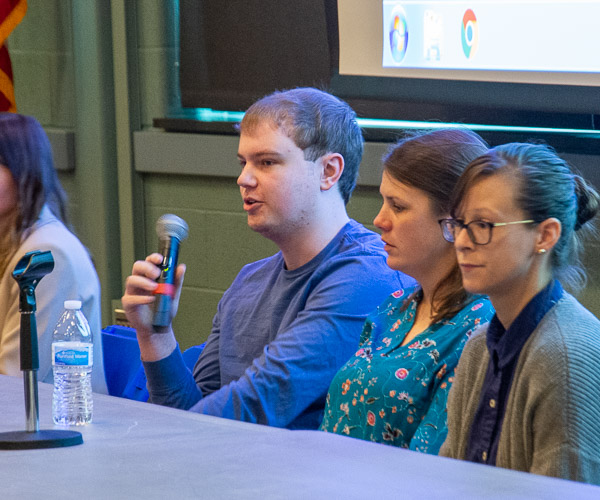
x=191, y=354
x=123, y=368
x=121, y=357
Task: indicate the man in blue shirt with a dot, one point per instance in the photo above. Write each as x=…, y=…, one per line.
x=288, y=322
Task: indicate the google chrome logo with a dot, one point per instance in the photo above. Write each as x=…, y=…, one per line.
x=398, y=34
x=470, y=34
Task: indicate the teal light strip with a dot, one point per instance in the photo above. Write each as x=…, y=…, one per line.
x=211, y=115
x=402, y=124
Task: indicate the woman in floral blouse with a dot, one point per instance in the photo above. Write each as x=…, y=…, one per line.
x=394, y=389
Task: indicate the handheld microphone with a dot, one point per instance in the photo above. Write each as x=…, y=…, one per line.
x=171, y=231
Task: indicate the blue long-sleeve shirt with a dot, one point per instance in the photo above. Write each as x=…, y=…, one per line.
x=279, y=336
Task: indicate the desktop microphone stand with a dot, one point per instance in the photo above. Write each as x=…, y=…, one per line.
x=28, y=272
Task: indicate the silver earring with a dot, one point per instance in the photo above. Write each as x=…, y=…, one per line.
x=541, y=250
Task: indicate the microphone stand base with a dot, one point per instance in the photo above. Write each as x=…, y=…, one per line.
x=25, y=440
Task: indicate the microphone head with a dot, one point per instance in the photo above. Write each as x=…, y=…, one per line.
x=171, y=226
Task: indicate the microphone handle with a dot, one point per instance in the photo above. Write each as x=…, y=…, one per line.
x=163, y=305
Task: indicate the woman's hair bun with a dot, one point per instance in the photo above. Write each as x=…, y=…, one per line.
x=588, y=202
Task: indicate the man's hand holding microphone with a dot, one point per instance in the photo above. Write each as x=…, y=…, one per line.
x=152, y=291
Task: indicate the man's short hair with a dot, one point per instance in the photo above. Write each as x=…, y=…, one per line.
x=318, y=123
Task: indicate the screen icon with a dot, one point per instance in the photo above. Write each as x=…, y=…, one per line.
x=433, y=34
x=398, y=34
x=470, y=34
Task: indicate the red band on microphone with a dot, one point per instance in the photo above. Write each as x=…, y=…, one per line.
x=165, y=289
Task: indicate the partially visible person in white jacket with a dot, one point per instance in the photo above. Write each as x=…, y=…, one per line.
x=33, y=217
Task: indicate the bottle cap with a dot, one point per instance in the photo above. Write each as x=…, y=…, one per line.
x=72, y=304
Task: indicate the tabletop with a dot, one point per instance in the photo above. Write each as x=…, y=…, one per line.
x=141, y=450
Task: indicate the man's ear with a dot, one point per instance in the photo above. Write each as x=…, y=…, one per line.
x=333, y=166
x=549, y=232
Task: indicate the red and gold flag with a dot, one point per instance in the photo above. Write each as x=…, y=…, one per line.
x=11, y=14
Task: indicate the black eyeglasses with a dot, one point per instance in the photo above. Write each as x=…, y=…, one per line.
x=479, y=231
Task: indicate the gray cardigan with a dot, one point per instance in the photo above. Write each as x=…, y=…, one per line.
x=552, y=420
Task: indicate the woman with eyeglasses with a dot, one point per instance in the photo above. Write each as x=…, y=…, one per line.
x=394, y=389
x=527, y=391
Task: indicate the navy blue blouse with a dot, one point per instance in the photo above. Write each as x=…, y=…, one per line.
x=504, y=347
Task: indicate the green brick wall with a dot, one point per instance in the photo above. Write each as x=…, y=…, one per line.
x=157, y=58
x=41, y=51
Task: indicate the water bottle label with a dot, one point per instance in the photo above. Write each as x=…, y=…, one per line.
x=72, y=354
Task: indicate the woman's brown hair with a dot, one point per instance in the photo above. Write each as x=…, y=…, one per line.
x=433, y=162
x=25, y=150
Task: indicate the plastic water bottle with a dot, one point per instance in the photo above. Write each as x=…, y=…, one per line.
x=72, y=360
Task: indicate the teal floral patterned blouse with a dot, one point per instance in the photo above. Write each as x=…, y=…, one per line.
x=395, y=394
